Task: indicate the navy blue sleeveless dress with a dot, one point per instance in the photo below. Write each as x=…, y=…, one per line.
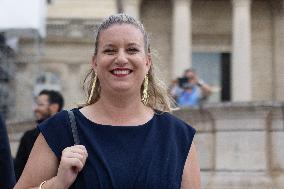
x=148, y=156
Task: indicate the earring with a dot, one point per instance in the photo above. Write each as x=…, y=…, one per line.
x=145, y=95
x=93, y=88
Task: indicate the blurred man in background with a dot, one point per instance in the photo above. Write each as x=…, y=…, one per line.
x=48, y=103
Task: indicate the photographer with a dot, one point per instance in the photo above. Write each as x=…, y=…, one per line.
x=190, y=90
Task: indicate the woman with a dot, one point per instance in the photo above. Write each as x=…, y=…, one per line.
x=127, y=140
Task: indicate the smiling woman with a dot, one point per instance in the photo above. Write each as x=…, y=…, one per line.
x=127, y=137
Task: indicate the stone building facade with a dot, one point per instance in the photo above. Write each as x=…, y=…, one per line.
x=235, y=45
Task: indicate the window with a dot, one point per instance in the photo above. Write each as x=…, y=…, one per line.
x=214, y=68
x=47, y=80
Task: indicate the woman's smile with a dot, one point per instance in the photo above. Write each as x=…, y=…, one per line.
x=121, y=72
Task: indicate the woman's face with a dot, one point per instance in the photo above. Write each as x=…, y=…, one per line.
x=121, y=62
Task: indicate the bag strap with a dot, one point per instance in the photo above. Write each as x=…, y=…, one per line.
x=73, y=127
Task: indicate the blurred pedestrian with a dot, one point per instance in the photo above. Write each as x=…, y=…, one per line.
x=125, y=136
x=48, y=103
x=7, y=174
x=190, y=90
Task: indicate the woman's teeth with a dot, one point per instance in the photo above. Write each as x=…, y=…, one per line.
x=121, y=72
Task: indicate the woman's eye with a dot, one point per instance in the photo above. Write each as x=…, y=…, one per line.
x=109, y=51
x=133, y=50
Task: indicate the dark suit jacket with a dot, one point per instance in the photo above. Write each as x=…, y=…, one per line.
x=7, y=174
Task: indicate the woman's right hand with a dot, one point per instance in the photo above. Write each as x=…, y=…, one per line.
x=72, y=162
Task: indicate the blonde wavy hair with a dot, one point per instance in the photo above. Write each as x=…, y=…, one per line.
x=159, y=98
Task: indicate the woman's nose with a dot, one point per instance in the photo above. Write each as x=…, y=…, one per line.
x=121, y=57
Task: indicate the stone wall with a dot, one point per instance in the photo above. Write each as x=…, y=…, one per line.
x=81, y=9
x=239, y=144
x=68, y=47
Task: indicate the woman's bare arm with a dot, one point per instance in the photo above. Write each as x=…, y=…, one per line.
x=41, y=165
x=191, y=171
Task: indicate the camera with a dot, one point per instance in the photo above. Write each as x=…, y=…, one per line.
x=183, y=81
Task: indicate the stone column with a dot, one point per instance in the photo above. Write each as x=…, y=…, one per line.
x=131, y=7
x=181, y=37
x=241, y=50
